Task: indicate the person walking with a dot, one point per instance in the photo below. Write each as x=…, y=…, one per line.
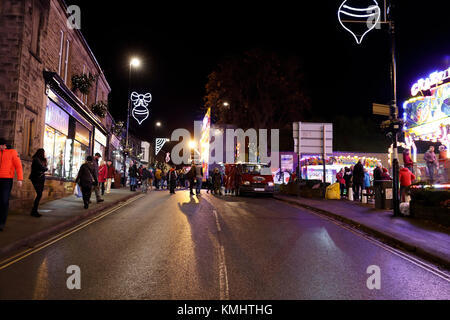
x=407, y=160
x=151, y=178
x=217, y=181
x=86, y=179
x=110, y=175
x=340, y=179
x=133, y=174
x=191, y=178
x=10, y=165
x=37, y=177
x=157, y=178
x=431, y=161
x=199, y=178
x=172, y=180
x=348, y=177
x=145, y=175
x=358, y=180
x=95, y=164
x=102, y=176
x=406, y=179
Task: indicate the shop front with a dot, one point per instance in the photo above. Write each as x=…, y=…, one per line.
x=100, y=143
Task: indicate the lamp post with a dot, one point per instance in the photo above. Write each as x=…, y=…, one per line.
x=134, y=62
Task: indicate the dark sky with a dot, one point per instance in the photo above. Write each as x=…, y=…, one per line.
x=181, y=43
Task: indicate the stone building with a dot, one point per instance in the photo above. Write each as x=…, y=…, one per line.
x=40, y=106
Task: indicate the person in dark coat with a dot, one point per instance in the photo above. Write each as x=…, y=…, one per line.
x=86, y=180
x=191, y=177
x=133, y=174
x=37, y=177
x=217, y=181
x=95, y=163
x=348, y=177
x=172, y=180
x=358, y=179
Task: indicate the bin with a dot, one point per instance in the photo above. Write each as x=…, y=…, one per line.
x=383, y=194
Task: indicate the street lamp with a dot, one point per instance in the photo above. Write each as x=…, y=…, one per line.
x=134, y=62
x=226, y=104
x=158, y=124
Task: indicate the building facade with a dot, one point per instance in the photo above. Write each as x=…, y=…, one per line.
x=41, y=105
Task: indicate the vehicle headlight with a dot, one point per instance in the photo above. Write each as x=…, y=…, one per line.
x=247, y=183
x=270, y=184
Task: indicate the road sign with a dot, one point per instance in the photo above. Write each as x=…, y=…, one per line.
x=381, y=109
x=315, y=138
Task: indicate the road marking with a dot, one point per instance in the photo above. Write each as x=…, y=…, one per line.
x=223, y=274
x=421, y=264
x=26, y=253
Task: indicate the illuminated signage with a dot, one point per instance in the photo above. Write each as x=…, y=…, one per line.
x=100, y=137
x=434, y=79
x=350, y=19
x=57, y=118
x=140, y=101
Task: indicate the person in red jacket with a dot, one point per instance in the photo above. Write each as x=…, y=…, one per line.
x=102, y=176
x=10, y=164
x=406, y=179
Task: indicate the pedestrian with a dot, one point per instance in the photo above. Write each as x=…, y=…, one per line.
x=151, y=177
x=348, y=177
x=386, y=176
x=145, y=175
x=172, y=180
x=199, y=178
x=158, y=178
x=133, y=174
x=431, y=162
x=10, y=165
x=95, y=163
x=86, y=179
x=191, y=178
x=102, y=176
x=407, y=160
x=217, y=181
x=358, y=180
x=340, y=179
x=110, y=175
x=406, y=179
x=37, y=177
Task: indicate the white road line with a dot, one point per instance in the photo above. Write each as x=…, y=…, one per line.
x=223, y=274
x=18, y=257
x=411, y=259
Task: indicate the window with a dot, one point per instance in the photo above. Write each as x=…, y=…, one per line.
x=66, y=63
x=28, y=135
x=35, y=32
x=61, y=48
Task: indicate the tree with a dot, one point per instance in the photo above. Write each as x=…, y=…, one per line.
x=257, y=89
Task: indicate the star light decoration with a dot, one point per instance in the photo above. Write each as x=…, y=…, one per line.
x=358, y=19
x=160, y=142
x=140, y=111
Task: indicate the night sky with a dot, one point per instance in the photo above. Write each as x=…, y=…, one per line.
x=180, y=44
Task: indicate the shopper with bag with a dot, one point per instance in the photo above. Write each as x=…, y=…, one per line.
x=111, y=172
x=86, y=179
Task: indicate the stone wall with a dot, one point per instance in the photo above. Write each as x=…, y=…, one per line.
x=23, y=97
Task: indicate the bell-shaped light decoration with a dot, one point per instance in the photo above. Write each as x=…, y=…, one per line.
x=140, y=101
x=359, y=17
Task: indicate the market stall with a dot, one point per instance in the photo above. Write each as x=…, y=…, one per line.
x=312, y=166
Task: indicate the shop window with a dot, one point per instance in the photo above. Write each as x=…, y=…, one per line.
x=80, y=152
x=55, y=147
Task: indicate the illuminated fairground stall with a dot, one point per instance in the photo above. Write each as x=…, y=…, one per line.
x=427, y=118
x=312, y=166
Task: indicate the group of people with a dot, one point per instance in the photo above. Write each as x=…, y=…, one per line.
x=354, y=180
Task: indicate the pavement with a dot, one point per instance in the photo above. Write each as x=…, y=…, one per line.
x=24, y=231
x=426, y=239
x=183, y=247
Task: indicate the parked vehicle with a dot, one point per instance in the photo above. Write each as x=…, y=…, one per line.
x=254, y=178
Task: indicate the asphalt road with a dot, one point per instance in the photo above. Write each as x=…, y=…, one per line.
x=182, y=247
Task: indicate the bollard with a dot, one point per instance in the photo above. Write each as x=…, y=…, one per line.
x=350, y=194
x=364, y=197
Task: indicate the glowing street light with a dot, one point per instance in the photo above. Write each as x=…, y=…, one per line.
x=158, y=124
x=226, y=104
x=135, y=62
x=192, y=144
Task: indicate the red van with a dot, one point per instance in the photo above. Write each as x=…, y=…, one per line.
x=255, y=178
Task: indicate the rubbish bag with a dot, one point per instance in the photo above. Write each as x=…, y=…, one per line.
x=333, y=192
x=404, y=208
x=77, y=191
